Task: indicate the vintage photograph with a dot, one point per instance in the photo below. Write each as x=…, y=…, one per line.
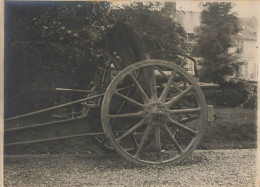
x=130, y=93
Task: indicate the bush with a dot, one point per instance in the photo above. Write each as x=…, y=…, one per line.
x=235, y=93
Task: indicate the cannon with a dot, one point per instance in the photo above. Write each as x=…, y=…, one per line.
x=149, y=110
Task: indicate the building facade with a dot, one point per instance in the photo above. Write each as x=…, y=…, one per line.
x=246, y=41
x=247, y=48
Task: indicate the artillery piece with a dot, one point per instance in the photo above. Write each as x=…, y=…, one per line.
x=150, y=111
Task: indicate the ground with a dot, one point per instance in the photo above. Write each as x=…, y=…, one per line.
x=225, y=157
x=203, y=168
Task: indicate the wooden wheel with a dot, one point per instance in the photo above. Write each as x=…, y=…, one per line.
x=101, y=140
x=166, y=113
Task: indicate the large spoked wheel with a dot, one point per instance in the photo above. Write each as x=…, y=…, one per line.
x=166, y=114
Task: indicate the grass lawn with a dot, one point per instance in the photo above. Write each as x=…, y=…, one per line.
x=234, y=128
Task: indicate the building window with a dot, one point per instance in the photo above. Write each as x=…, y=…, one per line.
x=240, y=47
x=246, y=69
x=187, y=37
x=246, y=72
x=255, y=72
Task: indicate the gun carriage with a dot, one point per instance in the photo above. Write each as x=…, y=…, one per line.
x=150, y=111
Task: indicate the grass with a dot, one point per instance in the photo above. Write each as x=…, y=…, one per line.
x=234, y=128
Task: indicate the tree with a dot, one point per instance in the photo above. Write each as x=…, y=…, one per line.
x=48, y=45
x=157, y=30
x=215, y=39
x=54, y=44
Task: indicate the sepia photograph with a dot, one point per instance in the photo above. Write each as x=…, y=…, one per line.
x=129, y=93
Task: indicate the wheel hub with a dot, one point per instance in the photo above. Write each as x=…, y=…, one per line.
x=156, y=113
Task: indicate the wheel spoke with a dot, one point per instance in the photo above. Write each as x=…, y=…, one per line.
x=185, y=120
x=167, y=86
x=161, y=72
x=143, y=140
x=129, y=100
x=121, y=106
x=153, y=85
x=132, y=129
x=187, y=129
x=165, y=76
x=182, y=62
x=189, y=104
x=140, y=89
x=185, y=111
x=177, y=86
x=127, y=115
x=178, y=97
x=168, y=109
x=157, y=137
x=187, y=115
x=174, y=141
x=134, y=140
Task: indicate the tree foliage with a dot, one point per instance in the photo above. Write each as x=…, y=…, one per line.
x=48, y=45
x=215, y=39
x=54, y=44
x=157, y=30
x=57, y=40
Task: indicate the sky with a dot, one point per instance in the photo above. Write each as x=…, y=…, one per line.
x=245, y=9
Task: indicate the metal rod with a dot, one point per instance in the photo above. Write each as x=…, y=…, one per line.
x=178, y=53
x=62, y=105
x=72, y=90
x=55, y=107
x=56, y=138
x=42, y=124
x=49, y=89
